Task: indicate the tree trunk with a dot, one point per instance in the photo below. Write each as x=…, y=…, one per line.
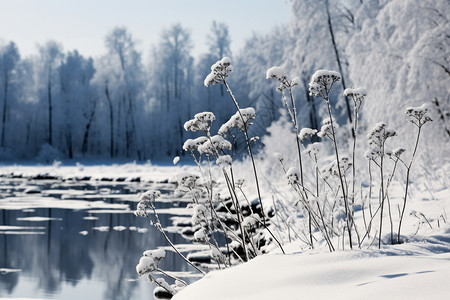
x=84, y=146
x=338, y=60
x=111, y=121
x=4, y=108
x=50, y=107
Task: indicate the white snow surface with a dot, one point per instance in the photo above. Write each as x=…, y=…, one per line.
x=417, y=270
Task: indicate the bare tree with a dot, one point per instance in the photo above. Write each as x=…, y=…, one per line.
x=51, y=55
x=9, y=58
x=122, y=48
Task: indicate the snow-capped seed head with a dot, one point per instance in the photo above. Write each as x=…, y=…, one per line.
x=146, y=265
x=326, y=129
x=200, y=235
x=150, y=195
x=219, y=71
x=157, y=254
x=226, y=61
x=205, y=116
x=329, y=170
x=357, y=95
x=276, y=72
x=187, y=180
x=192, y=144
x=217, y=143
x=373, y=152
x=295, y=81
x=210, y=79
x=322, y=81
x=306, y=133
x=141, y=209
x=293, y=176
x=198, y=214
x=201, y=122
x=377, y=136
x=419, y=115
x=359, y=92
x=224, y=161
x=236, y=121
x=313, y=150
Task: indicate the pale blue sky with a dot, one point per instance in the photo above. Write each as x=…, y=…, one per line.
x=83, y=24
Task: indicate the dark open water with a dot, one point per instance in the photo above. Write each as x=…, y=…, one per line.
x=56, y=261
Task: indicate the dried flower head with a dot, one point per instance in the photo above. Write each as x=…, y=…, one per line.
x=280, y=74
x=322, y=81
x=219, y=71
x=419, y=115
x=377, y=138
x=293, y=176
x=358, y=95
x=248, y=114
x=146, y=200
x=201, y=122
x=306, y=133
x=326, y=130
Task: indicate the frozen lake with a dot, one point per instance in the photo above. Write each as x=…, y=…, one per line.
x=75, y=239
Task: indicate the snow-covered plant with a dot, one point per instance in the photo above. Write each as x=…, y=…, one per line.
x=201, y=122
x=148, y=264
x=321, y=83
x=333, y=217
x=320, y=86
x=241, y=120
x=358, y=95
x=219, y=71
x=419, y=116
x=306, y=133
x=147, y=201
x=286, y=84
x=376, y=153
x=326, y=130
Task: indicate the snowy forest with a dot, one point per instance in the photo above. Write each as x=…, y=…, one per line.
x=57, y=104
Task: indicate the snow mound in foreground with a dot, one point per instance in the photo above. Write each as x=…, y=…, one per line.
x=417, y=270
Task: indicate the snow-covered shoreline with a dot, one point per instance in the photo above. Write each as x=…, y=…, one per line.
x=416, y=270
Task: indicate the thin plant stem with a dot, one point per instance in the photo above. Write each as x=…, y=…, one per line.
x=249, y=149
x=407, y=183
x=339, y=172
x=160, y=228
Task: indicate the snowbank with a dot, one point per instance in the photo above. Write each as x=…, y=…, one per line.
x=418, y=270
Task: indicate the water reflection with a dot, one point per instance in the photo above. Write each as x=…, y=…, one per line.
x=56, y=261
